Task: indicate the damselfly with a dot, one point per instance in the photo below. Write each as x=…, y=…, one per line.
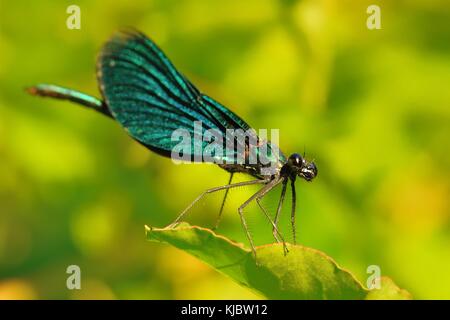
x=143, y=91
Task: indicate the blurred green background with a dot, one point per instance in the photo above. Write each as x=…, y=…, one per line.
x=372, y=107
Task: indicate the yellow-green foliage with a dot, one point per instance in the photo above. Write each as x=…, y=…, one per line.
x=372, y=107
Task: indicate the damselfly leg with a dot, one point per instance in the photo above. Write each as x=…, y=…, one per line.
x=277, y=234
x=258, y=195
x=269, y=185
x=280, y=205
x=294, y=199
x=215, y=189
x=223, y=203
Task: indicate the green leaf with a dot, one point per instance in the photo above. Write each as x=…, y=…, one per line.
x=303, y=273
x=388, y=291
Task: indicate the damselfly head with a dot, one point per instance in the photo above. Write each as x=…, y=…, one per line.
x=302, y=167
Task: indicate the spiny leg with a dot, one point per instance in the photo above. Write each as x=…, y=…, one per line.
x=278, y=233
x=223, y=203
x=294, y=196
x=280, y=205
x=229, y=186
x=269, y=186
x=274, y=227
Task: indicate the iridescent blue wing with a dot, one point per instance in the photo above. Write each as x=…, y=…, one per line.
x=150, y=98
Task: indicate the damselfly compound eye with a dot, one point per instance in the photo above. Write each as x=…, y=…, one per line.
x=296, y=160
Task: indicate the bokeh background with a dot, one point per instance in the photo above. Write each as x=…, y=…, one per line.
x=372, y=107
